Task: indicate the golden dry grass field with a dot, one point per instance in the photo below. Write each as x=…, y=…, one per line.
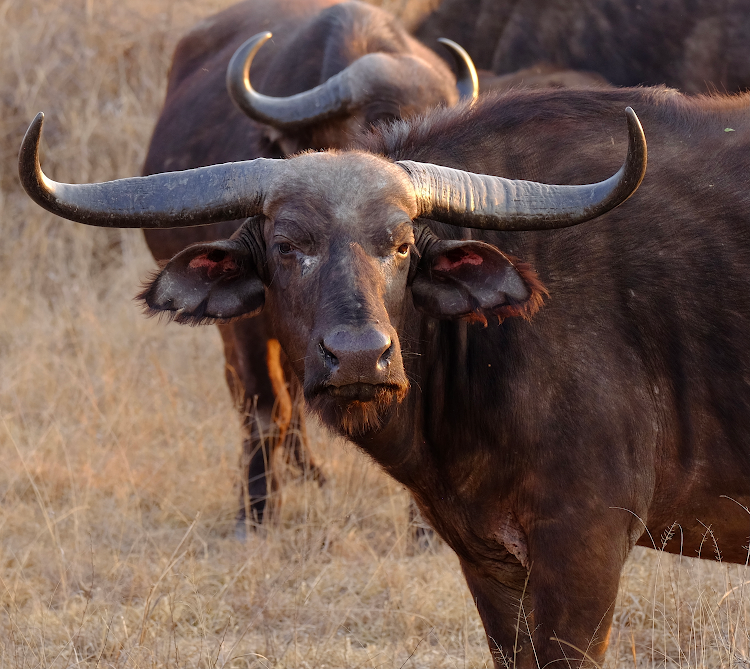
x=119, y=445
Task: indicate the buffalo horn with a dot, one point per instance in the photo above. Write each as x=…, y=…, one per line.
x=317, y=104
x=329, y=99
x=467, y=81
x=174, y=199
x=494, y=203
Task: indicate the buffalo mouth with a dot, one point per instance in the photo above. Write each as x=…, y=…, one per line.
x=361, y=392
x=355, y=409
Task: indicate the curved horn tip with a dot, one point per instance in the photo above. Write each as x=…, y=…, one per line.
x=467, y=80
x=242, y=58
x=29, y=171
x=634, y=122
x=251, y=47
x=260, y=39
x=34, y=131
x=291, y=112
x=39, y=118
x=636, y=146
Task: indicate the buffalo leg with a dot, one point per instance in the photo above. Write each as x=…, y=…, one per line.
x=572, y=587
x=254, y=494
x=559, y=613
x=501, y=598
x=250, y=384
x=296, y=441
x=302, y=455
x=255, y=372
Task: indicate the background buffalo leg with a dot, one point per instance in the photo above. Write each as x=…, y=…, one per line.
x=272, y=415
x=249, y=382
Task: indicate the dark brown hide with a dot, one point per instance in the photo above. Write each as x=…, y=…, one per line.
x=199, y=125
x=625, y=400
x=539, y=449
x=698, y=46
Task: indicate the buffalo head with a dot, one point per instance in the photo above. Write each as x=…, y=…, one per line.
x=334, y=250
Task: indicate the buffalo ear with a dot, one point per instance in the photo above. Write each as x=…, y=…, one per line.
x=207, y=283
x=472, y=280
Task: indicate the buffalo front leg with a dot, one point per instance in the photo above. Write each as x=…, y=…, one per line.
x=499, y=590
x=558, y=612
x=573, y=586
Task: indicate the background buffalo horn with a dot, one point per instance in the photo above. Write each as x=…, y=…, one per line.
x=175, y=199
x=493, y=203
x=317, y=104
x=467, y=81
x=333, y=97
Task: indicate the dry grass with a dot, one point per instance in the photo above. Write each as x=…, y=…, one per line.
x=119, y=446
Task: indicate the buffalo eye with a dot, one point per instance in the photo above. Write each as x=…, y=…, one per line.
x=285, y=248
x=403, y=249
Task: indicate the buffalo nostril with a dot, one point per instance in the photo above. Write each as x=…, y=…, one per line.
x=330, y=361
x=385, y=359
x=356, y=353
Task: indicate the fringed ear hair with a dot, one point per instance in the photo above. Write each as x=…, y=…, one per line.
x=212, y=282
x=537, y=290
x=471, y=280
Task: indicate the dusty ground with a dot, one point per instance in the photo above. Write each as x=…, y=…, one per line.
x=118, y=444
